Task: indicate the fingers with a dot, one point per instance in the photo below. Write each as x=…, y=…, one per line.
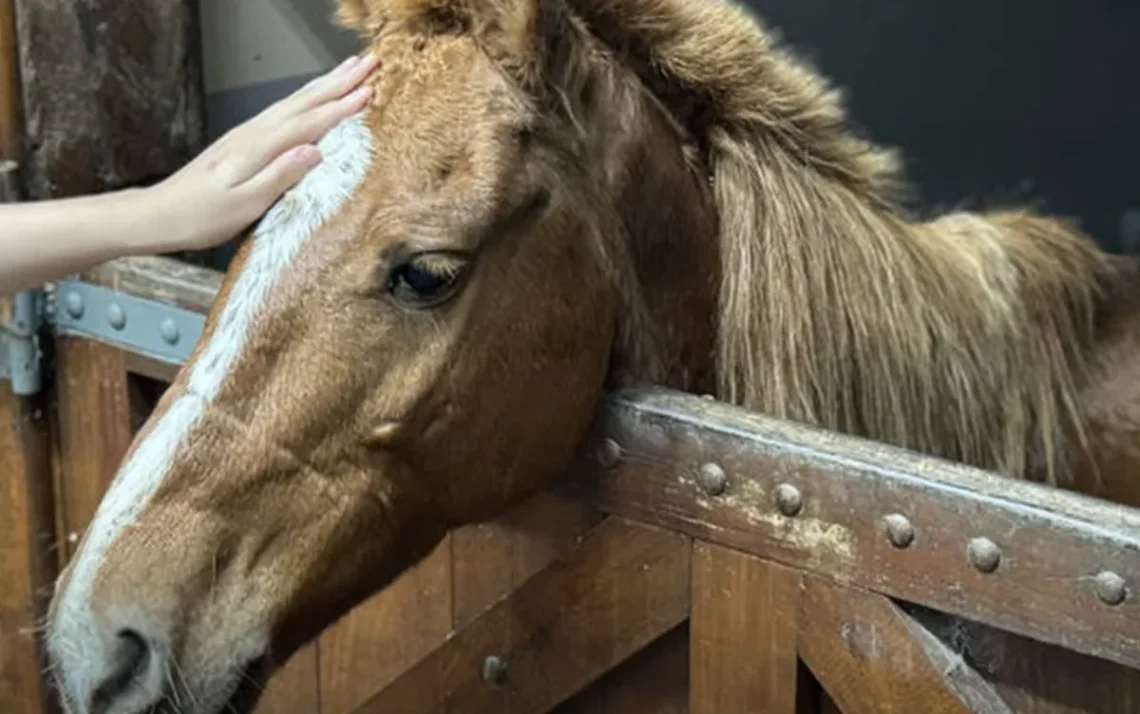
x=331, y=85
x=282, y=173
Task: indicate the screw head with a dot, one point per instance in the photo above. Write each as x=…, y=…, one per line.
x=983, y=554
x=169, y=331
x=116, y=316
x=713, y=479
x=899, y=530
x=1110, y=587
x=73, y=303
x=788, y=499
x=609, y=452
x=495, y=670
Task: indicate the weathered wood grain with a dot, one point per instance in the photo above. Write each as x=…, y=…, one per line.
x=94, y=427
x=743, y=650
x=1034, y=677
x=872, y=658
x=1053, y=543
x=112, y=92
x=385, y=635
x=491, y=559
x=27, y=560
x=9, y=84
x=622, y=588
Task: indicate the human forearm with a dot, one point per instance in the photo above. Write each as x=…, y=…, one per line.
x=208, y=201
x=41, y=241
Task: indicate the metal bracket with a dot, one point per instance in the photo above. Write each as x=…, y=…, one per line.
x=20, y=357
x=157, y=330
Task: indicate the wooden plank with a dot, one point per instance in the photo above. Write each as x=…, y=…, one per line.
x=385, y=635
x=164, y=280
x=655, y=679
x=295, y=688
x=94, y=427
x=9, y=84
x=112, y=92
x=1034, y=677
x=622, y=588
x=743, y=650
x=27, y=562
x=491, y=559
x=873, y=658
x=1052, y=543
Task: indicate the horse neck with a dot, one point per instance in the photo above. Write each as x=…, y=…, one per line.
x=667, y=332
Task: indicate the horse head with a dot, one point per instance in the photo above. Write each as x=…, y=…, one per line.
x=414, y=337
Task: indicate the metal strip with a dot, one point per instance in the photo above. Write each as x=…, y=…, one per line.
x=146, y=327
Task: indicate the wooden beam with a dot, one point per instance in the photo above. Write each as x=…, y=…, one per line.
x=112, y=92
x=743, y=634
x=10, y=116
x=842, y=495
x=872, y=658
x=622, y=588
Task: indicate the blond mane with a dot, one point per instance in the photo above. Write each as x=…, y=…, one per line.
x=964, y=337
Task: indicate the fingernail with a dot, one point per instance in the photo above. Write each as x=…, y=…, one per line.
x=347, y=63
x=307, y=153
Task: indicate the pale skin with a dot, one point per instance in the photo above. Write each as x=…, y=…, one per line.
x=208, y=201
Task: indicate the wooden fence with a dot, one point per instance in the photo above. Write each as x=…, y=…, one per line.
x=697, y=558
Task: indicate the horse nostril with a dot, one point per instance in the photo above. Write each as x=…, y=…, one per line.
x=127, y=660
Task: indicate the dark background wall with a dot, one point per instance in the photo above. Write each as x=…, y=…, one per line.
x=992, y=100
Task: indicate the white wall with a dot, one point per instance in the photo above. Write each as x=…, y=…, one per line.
x=255, y=51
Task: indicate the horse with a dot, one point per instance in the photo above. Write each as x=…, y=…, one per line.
x=546, y=200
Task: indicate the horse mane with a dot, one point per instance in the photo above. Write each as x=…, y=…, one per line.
x=965, y=337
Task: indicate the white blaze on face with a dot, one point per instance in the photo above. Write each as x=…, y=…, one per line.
x=346, y=152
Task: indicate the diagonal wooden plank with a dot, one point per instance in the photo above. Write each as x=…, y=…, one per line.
x=622, y=588
x=743, y=648
x=873, y=658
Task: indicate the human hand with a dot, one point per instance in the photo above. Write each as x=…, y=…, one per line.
x=237, y=178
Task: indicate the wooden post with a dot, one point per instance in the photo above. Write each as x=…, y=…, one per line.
x=27, y=533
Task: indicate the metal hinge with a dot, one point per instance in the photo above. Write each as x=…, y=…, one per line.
x=20, y=357
x=149, y=328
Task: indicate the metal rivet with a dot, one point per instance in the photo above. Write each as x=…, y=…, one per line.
x=73, y=303
x=984, y=554
x=788, y=499
x=608, y=453
x=899, y=530
x=1110, y=587
x=169, y=331
x=495, y=670
x=116, y=316
x=713, y=479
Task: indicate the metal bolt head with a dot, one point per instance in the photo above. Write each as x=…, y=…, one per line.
x=983, y=554
x=73, y=303
x=609, y=452
x=788, y=499
x=169, y=331
x=495, y=670
x=713, y=479
x=899, y=530
x=1110, y=587
x=116, y=316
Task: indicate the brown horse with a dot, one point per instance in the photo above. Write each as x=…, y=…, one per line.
x=546, y=199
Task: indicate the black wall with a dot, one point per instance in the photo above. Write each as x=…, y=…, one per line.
x=991, y=100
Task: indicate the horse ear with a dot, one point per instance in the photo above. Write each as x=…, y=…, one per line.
x=354, y=15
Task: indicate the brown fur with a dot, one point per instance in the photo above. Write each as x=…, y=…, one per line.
x=964, y=337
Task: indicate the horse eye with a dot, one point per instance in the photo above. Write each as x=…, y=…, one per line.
x=426, y=280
